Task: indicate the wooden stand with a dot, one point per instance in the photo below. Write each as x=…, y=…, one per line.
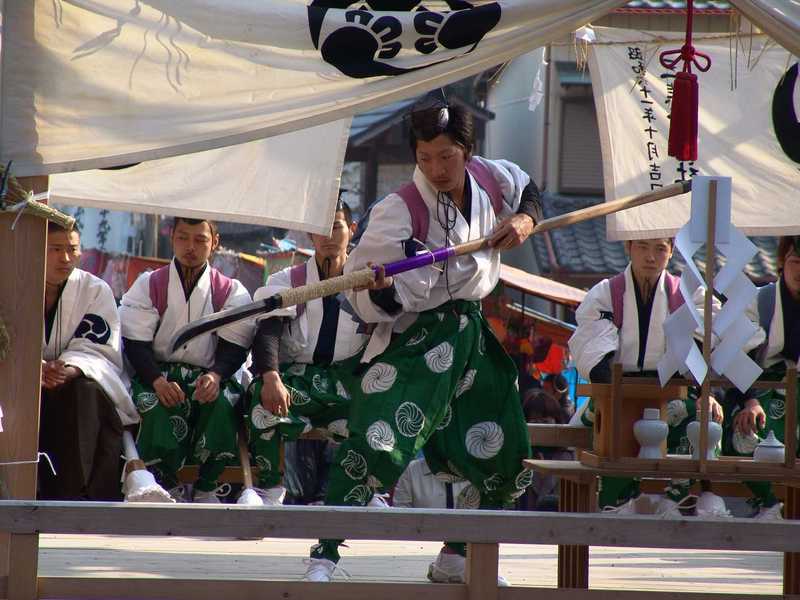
x=23, y=254
x=617, y=406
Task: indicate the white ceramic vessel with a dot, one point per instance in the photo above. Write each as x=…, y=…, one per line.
x=714, y=436
x=650, y=431
x=770, y=450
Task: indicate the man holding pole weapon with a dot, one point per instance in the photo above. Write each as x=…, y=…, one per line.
x=445, y=313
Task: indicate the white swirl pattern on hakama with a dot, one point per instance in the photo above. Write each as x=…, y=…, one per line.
x=380, y=436
x=409, y=419
x=440, y=358
x=466, y=382
x=379, y=378
x=262, y=418
x=676, y=412
x=484, y=440
x=354, y=465
x=180, y=429
x=469, y=498
x=147, y=401
x=745, y=444
x=360, y=495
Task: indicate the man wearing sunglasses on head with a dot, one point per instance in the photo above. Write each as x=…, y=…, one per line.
x=435, y=377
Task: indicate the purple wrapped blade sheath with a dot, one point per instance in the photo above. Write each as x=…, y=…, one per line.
x=420, y=260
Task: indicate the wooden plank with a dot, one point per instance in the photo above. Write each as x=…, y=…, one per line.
x=64, y=588
x=88, y=588
x=481, y=571
x=23, y=565
x=715, y=382
x=530, y=593
x=718, y=470
x=615, y=406
x=567, y=436
x=311, y=522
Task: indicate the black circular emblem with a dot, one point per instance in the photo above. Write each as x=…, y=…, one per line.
x=94, y=328
x=784, y=116
x=363, y=44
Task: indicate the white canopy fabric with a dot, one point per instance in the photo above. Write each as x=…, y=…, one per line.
x=289, y=181
x=97, y=83
x=780, y=19
x=737, y=135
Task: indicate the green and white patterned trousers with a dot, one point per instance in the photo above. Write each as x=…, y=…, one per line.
x=193, y=433
x=735, y=444
x=447, y=387
x=319, y=398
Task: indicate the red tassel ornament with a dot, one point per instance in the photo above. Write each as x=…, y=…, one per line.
x=683, y=128
x=683, y=121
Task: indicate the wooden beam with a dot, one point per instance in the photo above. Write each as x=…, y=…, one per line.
x=567, y=436
x=481, y=571
x=88, y=588
x=486, y=527
x=91, y=588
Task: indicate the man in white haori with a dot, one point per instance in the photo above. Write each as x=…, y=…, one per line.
x=85, y=402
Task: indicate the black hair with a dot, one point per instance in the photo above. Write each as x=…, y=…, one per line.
x=211, y=224
x=53, y=227
x=432, y=116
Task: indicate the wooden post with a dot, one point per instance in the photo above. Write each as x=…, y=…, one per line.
x=711, y=226
x=573, y=560
x=790, y=417
x=612, y=418
x=791, y=560
x=22, y=258
x=481, y=571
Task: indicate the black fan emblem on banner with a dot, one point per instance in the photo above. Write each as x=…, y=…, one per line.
x=365, y=43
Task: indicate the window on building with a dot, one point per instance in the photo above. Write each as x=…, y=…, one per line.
x=580, y=160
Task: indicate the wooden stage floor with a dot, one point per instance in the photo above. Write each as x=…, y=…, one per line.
x=274, y=559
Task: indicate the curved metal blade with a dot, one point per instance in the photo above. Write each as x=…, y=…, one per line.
x=220, y=319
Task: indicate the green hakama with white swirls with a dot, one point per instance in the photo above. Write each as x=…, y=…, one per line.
x=189, y=433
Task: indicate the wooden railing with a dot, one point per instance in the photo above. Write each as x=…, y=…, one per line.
x=482, y=530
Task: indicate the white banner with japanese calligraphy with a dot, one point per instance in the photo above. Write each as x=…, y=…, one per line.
x=739, y=135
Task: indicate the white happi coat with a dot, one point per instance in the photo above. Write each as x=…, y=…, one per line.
x=86, y=335
x=595, y=336
x=141, y=322
x=300, y=335
x=471, y=277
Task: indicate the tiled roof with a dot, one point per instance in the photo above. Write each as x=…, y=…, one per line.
x=674, y=5
x=583, y=249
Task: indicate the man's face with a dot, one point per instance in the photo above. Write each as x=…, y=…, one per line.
x=336, y=244
x=791, y=272
x=63, y=255
x=193, y=244
x=442, y=161
x=649, y=257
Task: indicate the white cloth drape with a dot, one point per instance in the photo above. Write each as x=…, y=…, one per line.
x=95, y=83
x=288, y=180
x=737, y=135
